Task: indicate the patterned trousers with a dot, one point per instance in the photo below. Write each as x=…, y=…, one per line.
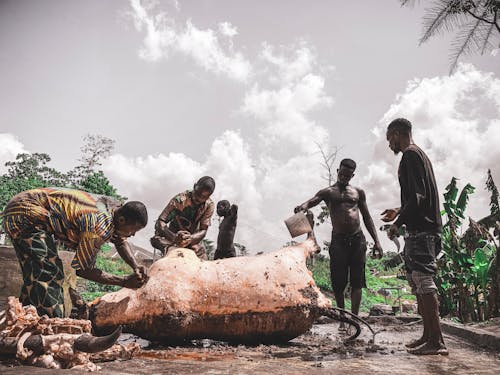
x=43, y=273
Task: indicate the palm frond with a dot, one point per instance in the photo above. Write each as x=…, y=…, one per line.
x=486, y=43
x=438, y=17
x=466, y=42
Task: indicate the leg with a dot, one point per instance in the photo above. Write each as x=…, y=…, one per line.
x=357, y=277
x=43, y=273
x=432, y=336
x=425, y=333
x=355, y=300
x=338, y=275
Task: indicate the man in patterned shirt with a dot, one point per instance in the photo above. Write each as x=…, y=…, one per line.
x=35, y=218
x=185, y=220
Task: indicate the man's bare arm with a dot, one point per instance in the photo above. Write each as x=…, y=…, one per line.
x=314, y=201
x=97, y=275
x=367, y=219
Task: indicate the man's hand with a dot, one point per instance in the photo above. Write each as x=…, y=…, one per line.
x=132, y=281
x=300, y=208
x=182, y=238
x=141, y=273
x=377, y=251
x=390, y=214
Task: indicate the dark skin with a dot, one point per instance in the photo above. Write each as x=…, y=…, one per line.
x=184, y=238
x=398, y=142
x=134, y=280
x=227, y=227
x=431, y=341
x=345, y=202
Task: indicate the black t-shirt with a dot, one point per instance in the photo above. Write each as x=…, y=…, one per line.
x=419, y=195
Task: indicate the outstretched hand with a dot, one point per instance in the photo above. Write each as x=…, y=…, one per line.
x=390, y=214
x=141, y=273
x=299, y=208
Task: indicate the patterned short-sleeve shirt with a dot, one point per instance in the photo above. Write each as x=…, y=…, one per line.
x=183, y=214
x=82, y=221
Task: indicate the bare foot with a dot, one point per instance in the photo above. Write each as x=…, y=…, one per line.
x=414, y=343
x=342, y=328
x=429, y=349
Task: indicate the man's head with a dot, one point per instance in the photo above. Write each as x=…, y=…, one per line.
x=346, y=171
x=399, y=134
x=223, y=207
x=203, y=189
x=130, y=218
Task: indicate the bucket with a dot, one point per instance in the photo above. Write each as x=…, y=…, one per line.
x=298, y=224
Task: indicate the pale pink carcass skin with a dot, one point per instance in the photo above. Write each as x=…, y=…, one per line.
x=263, y=298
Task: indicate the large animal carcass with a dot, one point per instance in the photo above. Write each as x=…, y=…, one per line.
x=256, y=299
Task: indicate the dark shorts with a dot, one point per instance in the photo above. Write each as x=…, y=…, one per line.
x=347, y=261
x=420, y=252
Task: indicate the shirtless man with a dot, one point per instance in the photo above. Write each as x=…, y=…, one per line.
x=225, y=245
x=348, y=244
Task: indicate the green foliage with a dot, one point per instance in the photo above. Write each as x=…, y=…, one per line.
x=464, y=274
x=241, y=249
x=98, y=183
x=492, y=188
x=30, y=171
x=377, y=277
x=117, y=266
x=209, y=248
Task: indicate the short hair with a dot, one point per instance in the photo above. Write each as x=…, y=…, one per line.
x=206, y=183
x=223, y=202
x=400, y=124
x=348, y=163
x=134, y=212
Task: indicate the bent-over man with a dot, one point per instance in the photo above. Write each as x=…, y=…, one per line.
x=185, y=220
x=348, y=244
x=83, y=222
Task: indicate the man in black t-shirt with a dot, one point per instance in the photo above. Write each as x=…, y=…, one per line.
x=420, y=213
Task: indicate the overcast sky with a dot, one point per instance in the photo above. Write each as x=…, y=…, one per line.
x=244, y=91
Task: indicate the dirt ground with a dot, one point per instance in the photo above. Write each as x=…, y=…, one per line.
x=320, y=351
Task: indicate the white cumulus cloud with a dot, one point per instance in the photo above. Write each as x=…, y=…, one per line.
x=456, y=121
x=10, y=146
x=205, y=47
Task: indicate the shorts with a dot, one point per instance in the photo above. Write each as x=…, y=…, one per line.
x=420, y=252
x=421, y=283
x=347, y=261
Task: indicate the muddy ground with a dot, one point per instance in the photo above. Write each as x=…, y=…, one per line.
x=320, y=351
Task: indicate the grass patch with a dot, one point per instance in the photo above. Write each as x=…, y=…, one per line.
x=90, y=290
x=377, y=277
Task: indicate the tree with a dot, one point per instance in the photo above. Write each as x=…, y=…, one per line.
x=477, y=22
x=28, y=171
x=95, y=148
x=98, y=183
x=328, y=159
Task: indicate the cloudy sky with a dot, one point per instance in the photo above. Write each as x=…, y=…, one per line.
x=245, y=91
